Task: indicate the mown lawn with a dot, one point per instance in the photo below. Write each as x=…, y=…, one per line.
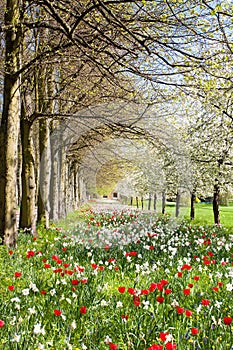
x=203, y=213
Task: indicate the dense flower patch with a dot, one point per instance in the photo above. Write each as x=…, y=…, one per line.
x=133, y=281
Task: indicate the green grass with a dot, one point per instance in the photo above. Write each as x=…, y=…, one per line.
x=203, y=213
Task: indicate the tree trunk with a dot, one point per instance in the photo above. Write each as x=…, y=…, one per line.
x=27, y=209
x=192, y=208
x=142, y=202
x=76, y=202
x=63, y=191
x=149, y=202
x=9, y=129
x=43, y=206
x=137, y=202
x=216, y=201
x=19, y=171
x=155, y=202
x=45, y=104
x=55, y=194
x=131, y=201
x=163, y=202
x=177, y=204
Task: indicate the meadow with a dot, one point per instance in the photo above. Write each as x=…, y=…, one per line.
x=118, y=279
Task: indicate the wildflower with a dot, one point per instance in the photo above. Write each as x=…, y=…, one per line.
x=124, y=317
x=168, y=291
x=74, y=282
x=186, y=291
x=16, y=338
x=119, y=304
x=229, y=287
x=227, y=320
x=170, y=346
x=131, y=291
x=146, y=304
x=26, y=291
x=188, y=313
x=186, y=267
x=16, y=299
x=155, y=347
x=57, y=312
x=194, y=331
x=180, y=310
x=73, y=325
x=30, y=253
x=32, y=310
x=160, y=299
x=205, y=302
x=103, y=303
x=107, y=340
x=11, y=287
x=18, y=274
x=163, y=336
x=136, y=301
x=196, y=278
x=174, y=303
x=2, y=323
x=113, y=346
x=83, y=309
x=38, y=329
x=33, y=287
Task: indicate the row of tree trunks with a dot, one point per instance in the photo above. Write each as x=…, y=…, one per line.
x=216, y=201
x=142, y=202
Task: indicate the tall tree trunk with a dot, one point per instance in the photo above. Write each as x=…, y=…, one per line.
x=131, y=201
x=75, y=186
x=149, y=201
x=163, y=202
x=9, y=129
x=27, y=209
x=55, y=180
x=63, y=191
x=137, y=202
x=216, y=201
x=192, y=207
x=19, y=170
x=155, y=202
x=177, y=204
x=43, y=206
x=142, y=202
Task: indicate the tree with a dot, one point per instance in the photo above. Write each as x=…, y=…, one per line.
x=9, y=128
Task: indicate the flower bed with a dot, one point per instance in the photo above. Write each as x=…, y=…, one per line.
x=119, y=280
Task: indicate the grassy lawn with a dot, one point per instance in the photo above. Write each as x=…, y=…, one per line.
x=203, y=213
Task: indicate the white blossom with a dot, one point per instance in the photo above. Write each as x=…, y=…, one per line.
x=26, y=291
x=38, y=329
x=119, y=304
